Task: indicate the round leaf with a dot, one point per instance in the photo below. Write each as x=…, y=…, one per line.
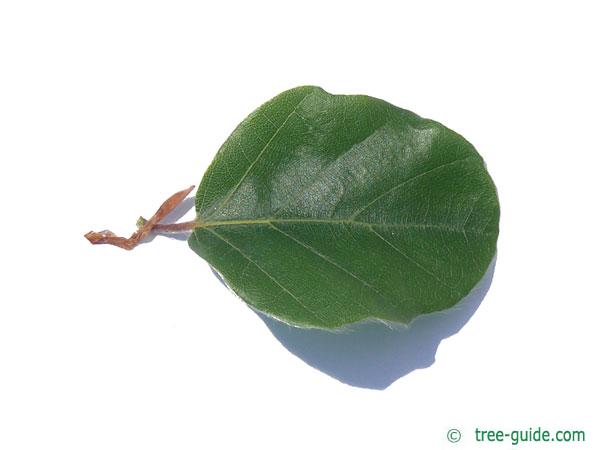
x=322, y=210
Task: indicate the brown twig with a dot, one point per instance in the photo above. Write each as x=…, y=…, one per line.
x=145, y=227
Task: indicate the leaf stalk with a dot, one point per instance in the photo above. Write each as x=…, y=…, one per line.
x=146, y=226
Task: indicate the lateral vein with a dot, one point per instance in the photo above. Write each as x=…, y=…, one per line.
x=389, y=191
x=282, y=287
x=333, y=263
x=236, y=187
x=415, y=263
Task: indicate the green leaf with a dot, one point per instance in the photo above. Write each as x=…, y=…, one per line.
x=321, y=210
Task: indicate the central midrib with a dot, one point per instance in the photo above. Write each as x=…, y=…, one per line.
x=267, y=221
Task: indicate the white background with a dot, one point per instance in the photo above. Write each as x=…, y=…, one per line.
x=106, y=108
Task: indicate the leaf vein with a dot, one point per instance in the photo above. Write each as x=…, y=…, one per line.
x=249, y=169
x=282, y=287
x=299, y=221
x=402, y=183
x=321, y=172
x=414, y=262
x=333, y=263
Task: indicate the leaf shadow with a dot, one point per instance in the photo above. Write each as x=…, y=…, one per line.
x=369, y=354
x=375, y=354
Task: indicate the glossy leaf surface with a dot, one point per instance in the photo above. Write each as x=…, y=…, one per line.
x=322, y=210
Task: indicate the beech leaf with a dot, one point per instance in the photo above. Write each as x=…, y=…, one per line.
x=321, y=210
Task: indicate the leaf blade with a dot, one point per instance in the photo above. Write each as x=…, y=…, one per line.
x=348, y=208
